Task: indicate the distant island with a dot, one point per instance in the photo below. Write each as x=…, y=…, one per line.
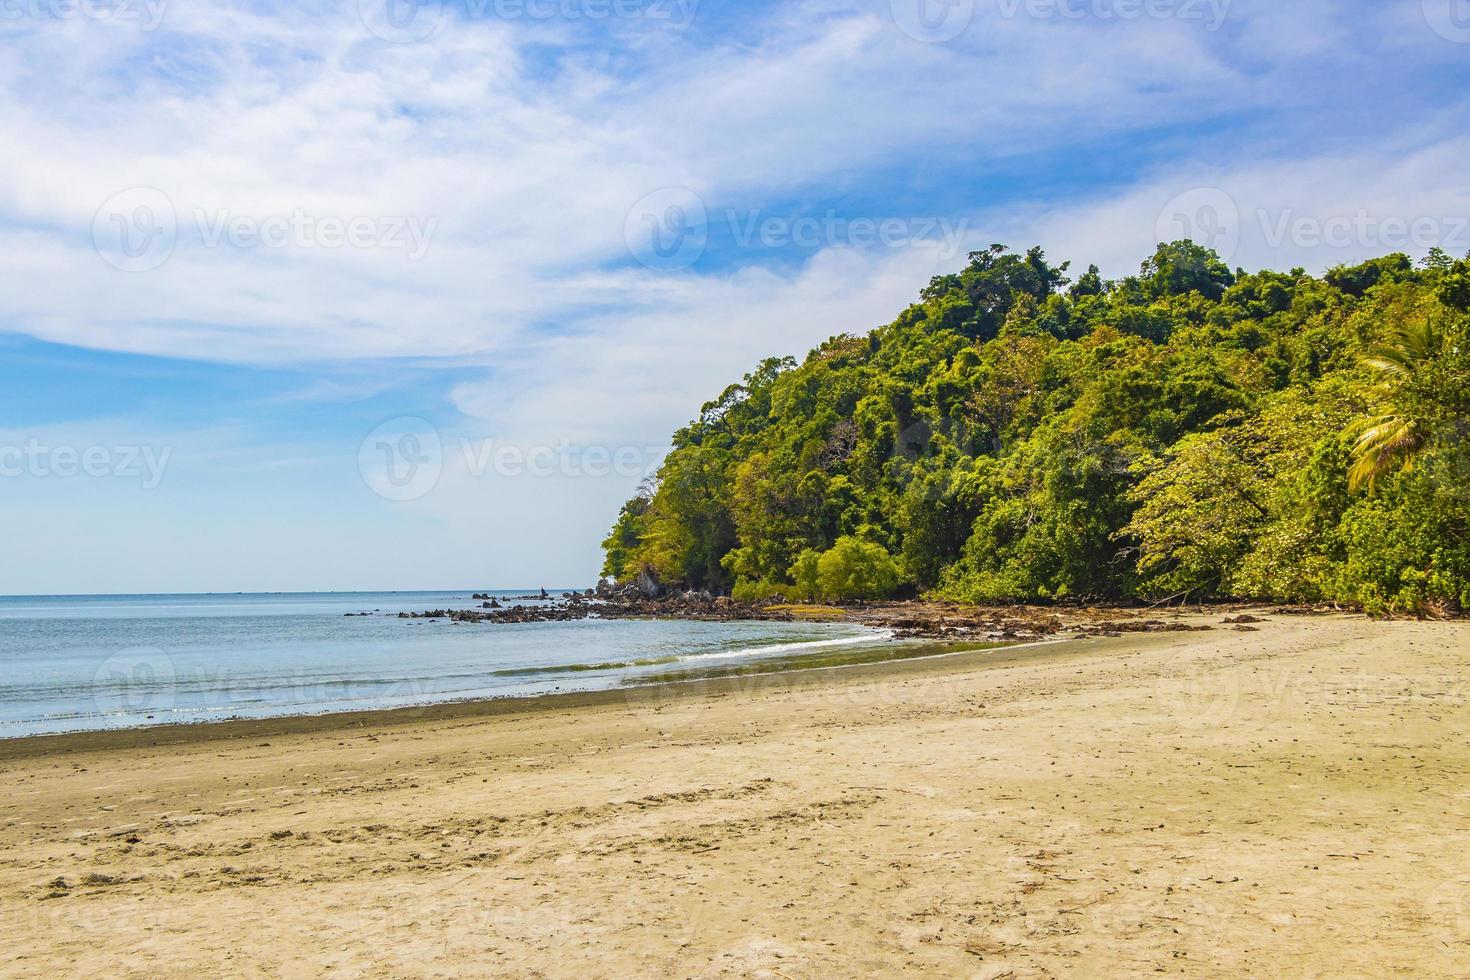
x=1191, y=432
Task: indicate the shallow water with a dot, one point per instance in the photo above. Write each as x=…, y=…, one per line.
x=813, y=656
x=75, y=663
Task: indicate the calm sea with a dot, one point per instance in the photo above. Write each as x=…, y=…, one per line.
x=70, y=663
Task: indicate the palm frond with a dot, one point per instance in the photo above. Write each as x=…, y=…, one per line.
x=1389, y=442
x=1408, y=346
x=1392, y=441
x=1390, y=362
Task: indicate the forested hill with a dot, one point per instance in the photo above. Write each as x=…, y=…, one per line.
x=1023, y=434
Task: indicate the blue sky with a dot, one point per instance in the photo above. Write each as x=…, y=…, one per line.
x=338, y=296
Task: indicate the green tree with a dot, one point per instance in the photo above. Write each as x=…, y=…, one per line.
x=621, y=546
x=1183, y=267
x=855, y=569
x=1198, y=514
x=806, y=573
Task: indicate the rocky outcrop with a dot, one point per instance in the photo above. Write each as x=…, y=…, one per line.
x=689, y=605
x=647, y=585
x=907, y=620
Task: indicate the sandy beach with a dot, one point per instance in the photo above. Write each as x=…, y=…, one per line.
x=1287, y=799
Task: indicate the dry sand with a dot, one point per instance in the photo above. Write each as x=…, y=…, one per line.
x=1293, y=801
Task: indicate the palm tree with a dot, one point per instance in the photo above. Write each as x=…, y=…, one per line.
x=1394, y=440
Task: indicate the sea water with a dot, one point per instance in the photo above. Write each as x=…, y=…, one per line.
x=72, y=663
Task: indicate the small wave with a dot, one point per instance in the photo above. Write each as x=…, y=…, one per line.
x=794, y=647
x=585, y=668
x=772, y=649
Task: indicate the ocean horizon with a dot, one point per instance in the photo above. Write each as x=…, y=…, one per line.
x=527, y=590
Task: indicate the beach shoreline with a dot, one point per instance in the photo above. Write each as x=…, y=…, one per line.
x=942, y=628
x=323, y=723
x=1286, y=799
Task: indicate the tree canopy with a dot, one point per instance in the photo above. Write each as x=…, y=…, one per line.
x=1190, y=431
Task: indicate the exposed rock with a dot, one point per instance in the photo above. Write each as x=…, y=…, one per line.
x=648, y=586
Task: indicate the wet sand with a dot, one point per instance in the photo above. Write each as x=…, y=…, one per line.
x=1285, y=801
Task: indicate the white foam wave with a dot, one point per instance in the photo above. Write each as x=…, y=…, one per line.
x=797, y=647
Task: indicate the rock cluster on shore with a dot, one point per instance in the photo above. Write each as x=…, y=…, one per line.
x=907, y=620
x=693, y=606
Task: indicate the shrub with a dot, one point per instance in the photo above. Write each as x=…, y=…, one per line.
x=856, y=569
x=748, y=591
x=806, y=574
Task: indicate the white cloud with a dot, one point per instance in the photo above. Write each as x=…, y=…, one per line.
x=525, y=171
x=630, y=374
x=1314, y=212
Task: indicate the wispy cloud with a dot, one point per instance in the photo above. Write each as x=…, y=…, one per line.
x=491, y=180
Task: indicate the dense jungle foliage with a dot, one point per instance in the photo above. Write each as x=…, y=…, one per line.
x=1188, y=432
